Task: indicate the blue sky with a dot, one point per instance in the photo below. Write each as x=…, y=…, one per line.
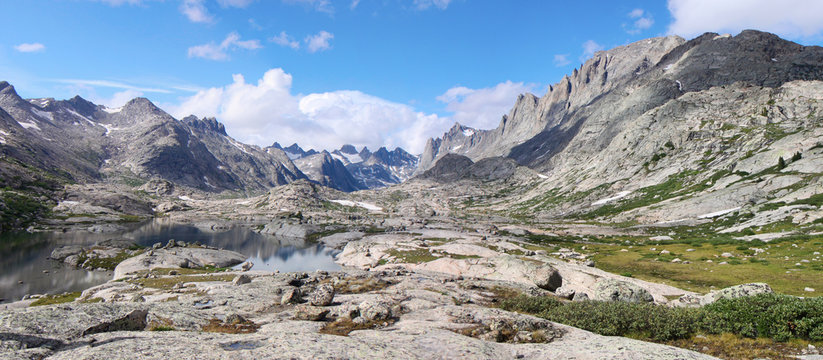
x=324, y=72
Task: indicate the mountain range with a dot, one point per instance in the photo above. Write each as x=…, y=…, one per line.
x=707, y=119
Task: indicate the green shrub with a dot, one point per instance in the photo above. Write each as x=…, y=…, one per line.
x=779, y=317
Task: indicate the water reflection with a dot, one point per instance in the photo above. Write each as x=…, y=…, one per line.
x=24, y=255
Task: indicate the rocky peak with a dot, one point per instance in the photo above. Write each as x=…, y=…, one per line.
x=365, y=154
x=348, y=149
x=140, y=104
x=81, y=105
x=205, y=124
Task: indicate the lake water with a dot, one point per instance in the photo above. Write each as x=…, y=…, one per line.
x=23, y=256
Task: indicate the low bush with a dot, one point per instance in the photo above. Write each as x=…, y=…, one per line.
x=779, y=317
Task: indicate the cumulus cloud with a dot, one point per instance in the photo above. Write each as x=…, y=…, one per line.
x=30, y=47
x=425, y=4
x=319, y=41
x=284, y=39
x=589, y=48
x=641, y=20
x=323, y=6
x=787, y=18
x=219, y=52
x=195, y=11
x=561, y=60
x=267, y=111
x=483, y=108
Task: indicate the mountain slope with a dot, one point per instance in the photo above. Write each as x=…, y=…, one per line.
x=667, y=130
x=82, y=142
x=328, y=171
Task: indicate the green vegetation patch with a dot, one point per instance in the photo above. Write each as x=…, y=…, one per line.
x=777, y=317
x=56, y=299
x=167, y=283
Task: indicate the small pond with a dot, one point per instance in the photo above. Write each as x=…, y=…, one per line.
x=23, y=256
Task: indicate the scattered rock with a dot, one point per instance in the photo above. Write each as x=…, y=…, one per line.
x=736, y=291
x=564, y=292
x=372, y=310
x=580, y=296
x=310, y=313
x=290, y=296
x=616, y=290
x=241, y=279
x=323, y=295
x=246, y=266
x=547, y=277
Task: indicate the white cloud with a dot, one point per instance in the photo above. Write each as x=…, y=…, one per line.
x=267, y=111
x=118, y=99
x=196, y=11
x=641, y=20
x=110, y=84
x=323, y=6
x=425, y=4
x=284, y=39
x=235, y=3
x=561, y=60
x=589, y=48
x=483, y=108
x=787, y=18
x=219, y=52
x=30, y=47
x=319, y=41
x=354, y=4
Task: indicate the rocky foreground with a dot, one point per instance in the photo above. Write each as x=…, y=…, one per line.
x=430, y=292
x=349, y=314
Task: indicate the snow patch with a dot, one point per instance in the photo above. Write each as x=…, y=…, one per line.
x=184, y=198
x=668, y=67
x=458, y=147
x=113, y=110
x=3, y=135
x=75, y=113
x=542, y=176
x=292, y=156
x=43, y=114
x=718, y=213
x=619, y=195
x=239, y=146
x=109, y=128
x=468, y=132
x=367, y=206
x=29, y=125
x=679, y=85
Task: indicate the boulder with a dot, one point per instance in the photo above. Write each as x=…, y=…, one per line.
x=564, y=292
x=290, y=296
x=736, y=291
x=372, y=310
x=310, y=313
x=241, y=279
x=63, y=252
x=547, y=277
x=323, y=295
x=617, y=290
x=177, y=257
